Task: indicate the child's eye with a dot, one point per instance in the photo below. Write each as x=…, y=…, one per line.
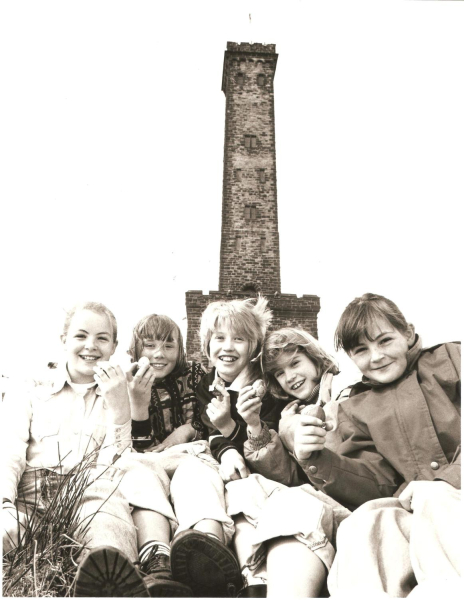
x=80, y=336
x=278, y=374
x=386, y=340
x=170, y=346
x=239, y=339
x=358, y=350
x=295, y=362
x=104, y=339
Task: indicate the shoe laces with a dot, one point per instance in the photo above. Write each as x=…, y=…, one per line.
x=154, y=561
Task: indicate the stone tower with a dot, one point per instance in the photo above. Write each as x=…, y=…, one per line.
x=250, y=257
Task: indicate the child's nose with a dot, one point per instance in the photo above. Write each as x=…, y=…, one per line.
x=229, y=343
x=158, y=351
x=90, y=342
x=290, y=375
x=376, y=354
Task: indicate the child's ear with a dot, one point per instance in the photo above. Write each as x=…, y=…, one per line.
x=411, y=335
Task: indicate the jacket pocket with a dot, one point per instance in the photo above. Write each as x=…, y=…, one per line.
x=43, y=427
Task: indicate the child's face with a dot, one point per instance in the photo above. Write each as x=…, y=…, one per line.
x=297, y=375
x=89, y=340
x=383, y=360
x=162, y=355
x=228, y=352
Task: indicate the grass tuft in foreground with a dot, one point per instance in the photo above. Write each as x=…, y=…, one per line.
x=45, y=561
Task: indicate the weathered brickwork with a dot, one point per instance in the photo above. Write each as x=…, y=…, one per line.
x=249, y=246
x=249, y=255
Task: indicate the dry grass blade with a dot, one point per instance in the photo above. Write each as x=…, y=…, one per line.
x=44, y=563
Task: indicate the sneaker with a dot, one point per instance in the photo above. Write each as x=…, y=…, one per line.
x=156, y=569
x=206, y=564
x=106, y=572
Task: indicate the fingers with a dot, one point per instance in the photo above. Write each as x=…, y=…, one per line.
x=159, y=448
x=217, y=403
x=245, y=393
x=406, y=496
x=242, y=470
x=224, y=393
x=309, y=420
x=291, y=408
x=326, y=387
x=226, y=475
x=130, y=370
x=250, y=406
x=145, y=377
x=106, y=371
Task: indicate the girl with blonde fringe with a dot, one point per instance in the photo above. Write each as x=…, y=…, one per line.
x=285, y=529
x=232, y=335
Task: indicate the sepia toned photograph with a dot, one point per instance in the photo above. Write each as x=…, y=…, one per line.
x=231, y=298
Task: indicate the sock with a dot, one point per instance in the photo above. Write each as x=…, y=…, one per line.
x=153, y=546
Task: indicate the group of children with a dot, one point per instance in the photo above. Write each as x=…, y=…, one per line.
x=247, y=480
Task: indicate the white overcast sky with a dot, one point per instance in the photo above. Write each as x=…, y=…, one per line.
x=113, y=130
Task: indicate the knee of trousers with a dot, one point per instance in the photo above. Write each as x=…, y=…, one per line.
x=193, y=474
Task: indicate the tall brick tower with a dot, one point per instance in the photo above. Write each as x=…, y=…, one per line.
x=250, y=257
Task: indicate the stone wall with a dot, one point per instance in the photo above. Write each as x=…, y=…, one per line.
x=287, y=309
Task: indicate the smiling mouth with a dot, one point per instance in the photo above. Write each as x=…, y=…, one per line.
x=87, y=358
x=228, y=359
x=380, y=368
x=297, y=385
x=157, y=365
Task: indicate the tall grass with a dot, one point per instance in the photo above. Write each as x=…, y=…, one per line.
x=45, y=561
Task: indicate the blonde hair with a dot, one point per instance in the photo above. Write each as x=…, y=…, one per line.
x=158, y=328
x=249, y=318
x=95, y=307
x=284, y=344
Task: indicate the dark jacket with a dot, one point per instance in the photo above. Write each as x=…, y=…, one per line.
x=270, y=414
x=392, y=434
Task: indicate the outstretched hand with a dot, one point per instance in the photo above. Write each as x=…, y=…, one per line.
x=139, y=386
x=233, y=466
x=309, y=437
x=249, y=406
x=218, y=411
x=418, y=491
x=113, y=386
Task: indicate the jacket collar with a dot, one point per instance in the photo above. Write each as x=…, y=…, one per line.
x=412, y=357
x=59, y=377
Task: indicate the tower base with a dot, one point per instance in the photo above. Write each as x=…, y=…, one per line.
x=287, y=310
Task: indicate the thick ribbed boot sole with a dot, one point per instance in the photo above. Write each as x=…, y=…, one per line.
x=105, y=572
x=206, y=565
x=166, y=588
